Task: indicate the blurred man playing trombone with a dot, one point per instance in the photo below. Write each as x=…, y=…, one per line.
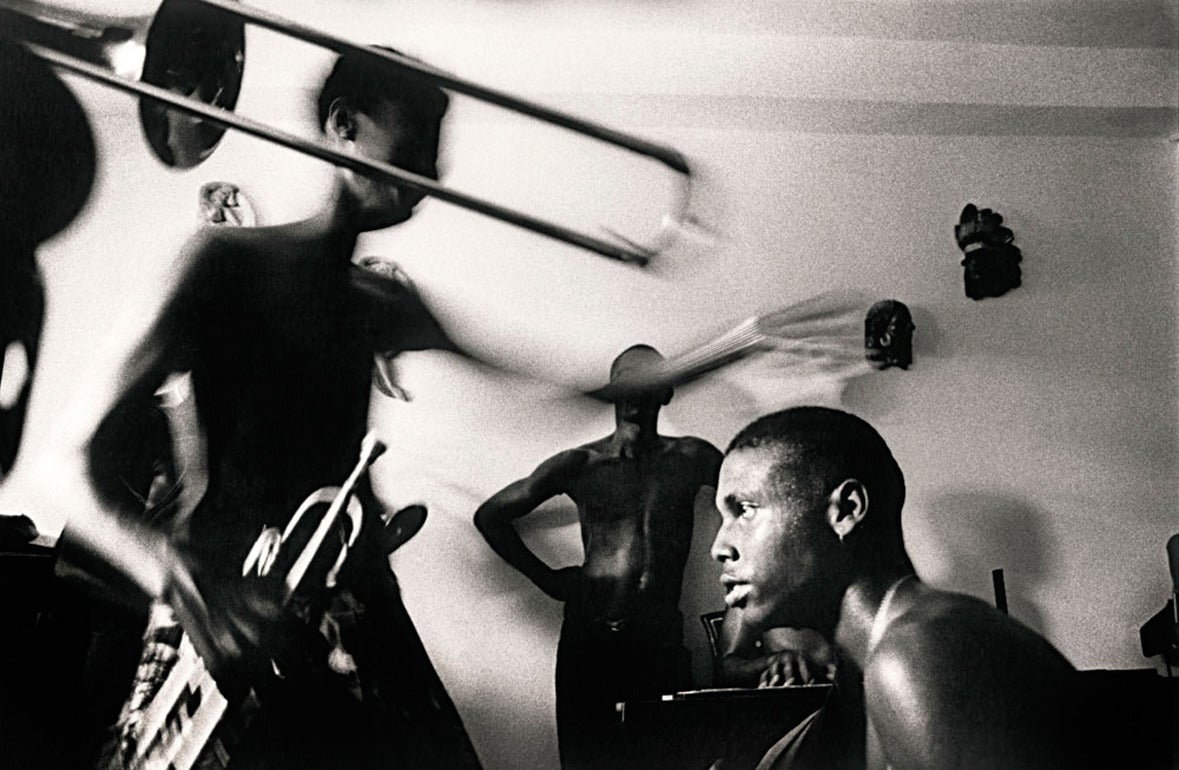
x=278, y=329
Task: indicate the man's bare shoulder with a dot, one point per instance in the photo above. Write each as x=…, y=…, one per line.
x=944, y=628
x=241, y=242
x=596, y=450
x=210, y=247
x=705, y=457
x=953, y=680
x=566, y=463
x=213, y=252
x=956, y=653
x=694, y=446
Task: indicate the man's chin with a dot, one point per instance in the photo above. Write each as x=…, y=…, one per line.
x=763, y=618
x=394, y=215
x=751, y=614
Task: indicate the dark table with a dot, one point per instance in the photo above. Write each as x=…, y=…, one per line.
x=694, y=729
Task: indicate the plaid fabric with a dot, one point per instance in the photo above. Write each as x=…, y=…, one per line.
x=161, y=649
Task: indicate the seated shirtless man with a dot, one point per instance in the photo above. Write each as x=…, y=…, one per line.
x=623, y=632
x=278, y=329
x=810, y=501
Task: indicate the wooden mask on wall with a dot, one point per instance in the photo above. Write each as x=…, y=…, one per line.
x=888, y=334
x=991, y=259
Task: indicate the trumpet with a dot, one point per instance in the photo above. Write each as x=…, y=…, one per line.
x=190, y=55
x=338, y=502
x=189, y=720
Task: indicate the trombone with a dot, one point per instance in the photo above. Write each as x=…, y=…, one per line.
x=81, y=46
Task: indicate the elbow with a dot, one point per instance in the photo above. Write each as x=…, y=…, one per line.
x=483, y=519
x=490, y=520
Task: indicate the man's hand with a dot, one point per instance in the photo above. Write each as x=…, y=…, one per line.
x=235, y=624
x=791, y=667
x=561, y=583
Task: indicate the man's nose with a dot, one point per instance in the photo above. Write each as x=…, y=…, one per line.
x=723, y=549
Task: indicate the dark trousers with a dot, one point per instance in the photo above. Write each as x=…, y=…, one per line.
x=600, y=665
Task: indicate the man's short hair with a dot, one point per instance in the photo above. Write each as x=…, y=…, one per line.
x=830, y=446
x=363, y=82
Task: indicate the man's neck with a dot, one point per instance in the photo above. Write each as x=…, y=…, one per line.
x=861, y=609
x=635, y=439
x=335, y=224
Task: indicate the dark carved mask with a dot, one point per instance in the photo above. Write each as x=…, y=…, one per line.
x=991, y=259
x=888, y=334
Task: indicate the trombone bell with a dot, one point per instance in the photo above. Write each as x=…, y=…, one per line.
x=184, y=47
x=192, y=51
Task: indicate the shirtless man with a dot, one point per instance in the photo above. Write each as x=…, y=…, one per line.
x=810, y=501
x=623, y=633
x=279, y=329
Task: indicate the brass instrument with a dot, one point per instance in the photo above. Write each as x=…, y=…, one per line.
x=189, y=58
x=183, y=721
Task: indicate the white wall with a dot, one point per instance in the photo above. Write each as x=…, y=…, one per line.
x=1037, y=431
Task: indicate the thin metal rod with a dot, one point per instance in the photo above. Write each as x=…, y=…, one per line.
x=322, y=151
x=1000, y=590
x=670, y=156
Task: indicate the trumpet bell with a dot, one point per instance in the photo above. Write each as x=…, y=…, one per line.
x=196, y=52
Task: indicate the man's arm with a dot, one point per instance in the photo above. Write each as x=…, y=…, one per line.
x=100, y=537
x=744, y=662
x=25, y=331
x=116, y=451
x=494, y=519
x=398, y=319
x=710, y=463
x=740, y=662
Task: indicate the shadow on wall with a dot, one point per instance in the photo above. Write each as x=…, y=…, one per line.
x=976, y=532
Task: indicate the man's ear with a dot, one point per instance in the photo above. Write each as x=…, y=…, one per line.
x=341, y=120
x=847, y=507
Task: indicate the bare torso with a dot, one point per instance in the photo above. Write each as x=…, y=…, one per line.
x=636, y=518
